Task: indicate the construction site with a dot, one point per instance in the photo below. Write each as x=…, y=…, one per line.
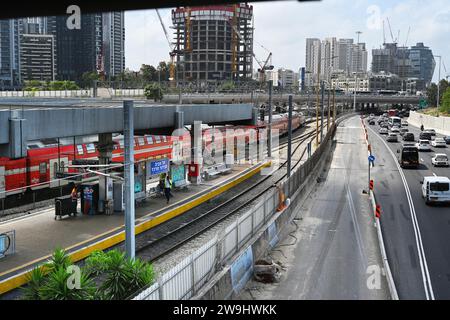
x=213, y=44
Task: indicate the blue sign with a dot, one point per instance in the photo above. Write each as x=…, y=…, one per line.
x=158, y=167
x=371, y=158
x=242, y=270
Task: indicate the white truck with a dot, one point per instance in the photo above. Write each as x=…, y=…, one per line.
x=436, y=189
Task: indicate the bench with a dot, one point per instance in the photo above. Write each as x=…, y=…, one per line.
x=215, y=170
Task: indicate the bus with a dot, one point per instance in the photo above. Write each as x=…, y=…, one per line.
x=408, y=156
x=392, y=112
x=395, y=121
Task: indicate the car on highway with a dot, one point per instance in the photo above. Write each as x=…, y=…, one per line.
x=403, y=131
x=439, y=159
x=383, y=131
x=431, y=131
x=408, y=156
x=384, y=125
x=395, y=130
x=408, y=136
x=371, y=122
x=436, y=189
x=425, y=136
x=404, y=123
x=423, y=145
x=438, y=143
x=392, y=137
x=447, y=139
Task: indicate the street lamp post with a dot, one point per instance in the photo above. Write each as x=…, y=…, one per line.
x=354, y=93
x=438, y=84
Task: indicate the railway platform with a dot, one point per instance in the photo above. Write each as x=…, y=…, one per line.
x=38, y=235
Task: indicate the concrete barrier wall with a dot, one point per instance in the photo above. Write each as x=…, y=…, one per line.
x=221, y=286
x=440, y=124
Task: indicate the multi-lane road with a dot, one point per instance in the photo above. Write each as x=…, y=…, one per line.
x=417, y=236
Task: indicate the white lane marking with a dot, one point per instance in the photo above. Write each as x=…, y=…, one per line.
x=359, y=240
x=421, y=252
x=421, y=159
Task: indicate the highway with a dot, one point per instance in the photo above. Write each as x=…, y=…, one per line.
x=416, y=235
x=335, y=241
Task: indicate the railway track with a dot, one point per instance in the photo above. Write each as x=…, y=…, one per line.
x=166, y=238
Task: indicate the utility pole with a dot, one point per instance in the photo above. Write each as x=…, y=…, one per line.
x=438, y=84
x=321, y=111
x=128, y=132
x=269, y=141
x=334, y=105
x=317, y=115
x=289, y=152
x=354, y=94
x=329, y=109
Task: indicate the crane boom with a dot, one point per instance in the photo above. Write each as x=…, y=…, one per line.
x=407, y=36
x=390, y=30
x=165, y=31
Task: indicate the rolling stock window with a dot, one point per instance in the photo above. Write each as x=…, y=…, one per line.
x=90, y=148
x=80, y=149
x=43, y=168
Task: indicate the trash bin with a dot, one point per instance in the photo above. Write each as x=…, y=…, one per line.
x=64, y=206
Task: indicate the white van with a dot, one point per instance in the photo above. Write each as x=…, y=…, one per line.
x=436, y=189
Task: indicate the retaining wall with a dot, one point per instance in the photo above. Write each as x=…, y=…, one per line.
x=440, y=124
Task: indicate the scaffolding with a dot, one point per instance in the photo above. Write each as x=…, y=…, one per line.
x=207, y=49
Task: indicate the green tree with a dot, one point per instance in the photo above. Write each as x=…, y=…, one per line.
x=227, y=86
x=163, y=68
x=88, y=78
x=445, y=103
x=153, y=91
x=432, y=92
x=149, y=73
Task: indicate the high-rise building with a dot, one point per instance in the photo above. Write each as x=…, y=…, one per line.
x=332, y=56
x=98, y=46
x=213, y=42
x=312, y=63
x=422, y=62
x=37, y=57
x=114, y=42
x=415, y=63
x=9, y=54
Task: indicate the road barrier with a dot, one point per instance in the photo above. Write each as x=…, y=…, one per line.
x=377, y=215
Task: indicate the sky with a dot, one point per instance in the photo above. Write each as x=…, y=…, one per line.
x=283, y=26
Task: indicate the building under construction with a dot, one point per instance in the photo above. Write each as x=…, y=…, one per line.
x=213, y=43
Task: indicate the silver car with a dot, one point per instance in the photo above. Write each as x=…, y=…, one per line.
x=392, y=137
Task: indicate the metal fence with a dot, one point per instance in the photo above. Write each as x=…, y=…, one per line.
x=48, y=93
x=7, y=243
x=185, y=279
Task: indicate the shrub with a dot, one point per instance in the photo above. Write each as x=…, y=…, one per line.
x=153, y=91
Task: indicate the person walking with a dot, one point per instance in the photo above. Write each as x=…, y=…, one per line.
x=421, y=127
x=167, y=187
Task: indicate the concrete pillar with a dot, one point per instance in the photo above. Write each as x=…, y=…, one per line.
x=128, y=132
x=179, y=118
x=105, y=147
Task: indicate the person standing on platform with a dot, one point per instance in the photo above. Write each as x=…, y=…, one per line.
x=167, y=187
x=74, y=196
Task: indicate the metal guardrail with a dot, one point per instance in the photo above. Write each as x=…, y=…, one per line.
x=7, y=243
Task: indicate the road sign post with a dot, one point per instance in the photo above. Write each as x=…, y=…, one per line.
x=371, y=161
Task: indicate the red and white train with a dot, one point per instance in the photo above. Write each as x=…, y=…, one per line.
x=39, y=168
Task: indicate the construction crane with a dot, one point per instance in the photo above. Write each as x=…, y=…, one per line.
x=390, y=30
x=407, y=36
x=263, y=66
x=172, y=52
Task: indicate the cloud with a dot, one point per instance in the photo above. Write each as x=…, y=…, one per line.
x=283, y=26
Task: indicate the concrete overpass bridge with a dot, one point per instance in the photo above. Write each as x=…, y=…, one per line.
x=27, y=120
